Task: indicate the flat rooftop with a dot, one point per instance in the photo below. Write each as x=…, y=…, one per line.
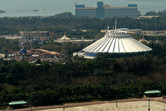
x=108, y=8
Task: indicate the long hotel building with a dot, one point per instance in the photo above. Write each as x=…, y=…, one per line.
x=105, y=11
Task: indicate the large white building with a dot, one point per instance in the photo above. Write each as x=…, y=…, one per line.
x=114, y=42
x=105, y=11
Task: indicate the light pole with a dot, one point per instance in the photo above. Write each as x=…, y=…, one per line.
x=164, y=108
x=116, y=102
x=149, y=105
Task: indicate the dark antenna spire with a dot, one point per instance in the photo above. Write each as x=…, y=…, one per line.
x=115, y=24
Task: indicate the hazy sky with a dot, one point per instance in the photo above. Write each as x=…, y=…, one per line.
x=25, y=7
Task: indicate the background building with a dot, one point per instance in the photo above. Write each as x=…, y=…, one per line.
x=40, y=35
x=103, y=11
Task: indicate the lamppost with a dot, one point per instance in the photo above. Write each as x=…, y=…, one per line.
x=149, y=105
x=63, y=108
x=116, y=102
x=164, y=108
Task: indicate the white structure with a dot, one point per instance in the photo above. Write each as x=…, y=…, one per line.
x=114, y=42
x=64, y=39
x=67, y=39
x=2, y=56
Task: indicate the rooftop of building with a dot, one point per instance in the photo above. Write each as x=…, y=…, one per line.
x=117, y=41
x=109, y=8
x=152, y=92
x=17, y=102
x=44, y=51
x=34, y=31
x=106, y=6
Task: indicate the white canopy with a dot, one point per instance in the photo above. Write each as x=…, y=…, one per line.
x=117, y=41
x=65, y=38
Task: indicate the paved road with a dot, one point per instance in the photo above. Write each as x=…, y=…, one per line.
x=68, y=105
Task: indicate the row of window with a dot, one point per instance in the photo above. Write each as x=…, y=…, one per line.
x=121, y=10
x=108, y=12
x=88, y=13
x=120, y=15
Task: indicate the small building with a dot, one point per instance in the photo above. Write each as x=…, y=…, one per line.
x=18, y=104
x=152, y=93
x=65, y=39
x=148, y=17
x=143, y=40
x=42, y=52
x=39, y=35
x=103, y=11
x=2, y=56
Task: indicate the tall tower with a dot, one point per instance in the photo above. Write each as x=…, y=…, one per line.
x=100, y=10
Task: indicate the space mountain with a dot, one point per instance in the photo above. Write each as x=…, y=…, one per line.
x=115, y=41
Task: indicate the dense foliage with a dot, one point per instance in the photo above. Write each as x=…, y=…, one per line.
x=66, y=22
x=79, y=79
x=83, y=80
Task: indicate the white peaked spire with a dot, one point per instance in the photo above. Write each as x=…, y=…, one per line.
x=65, y=37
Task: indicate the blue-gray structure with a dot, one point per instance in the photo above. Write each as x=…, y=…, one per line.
x=105, y=11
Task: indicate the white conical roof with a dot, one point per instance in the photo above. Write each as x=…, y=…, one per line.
x=65, y=38
x=117, y=41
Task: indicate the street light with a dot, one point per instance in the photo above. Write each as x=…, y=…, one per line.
x=116, y=102
x=149, y=106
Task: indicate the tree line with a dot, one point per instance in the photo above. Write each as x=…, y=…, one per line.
x=66, y=21
x=83, y=80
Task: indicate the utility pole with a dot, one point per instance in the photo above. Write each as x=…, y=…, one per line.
x=164, y=108
x=149, y=105
x=31, y=107
x=115, y=24
x=116, y=102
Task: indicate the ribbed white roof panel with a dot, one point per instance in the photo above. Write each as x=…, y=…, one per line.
x=116, y=48
x=121, y=46
x=116, y=41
